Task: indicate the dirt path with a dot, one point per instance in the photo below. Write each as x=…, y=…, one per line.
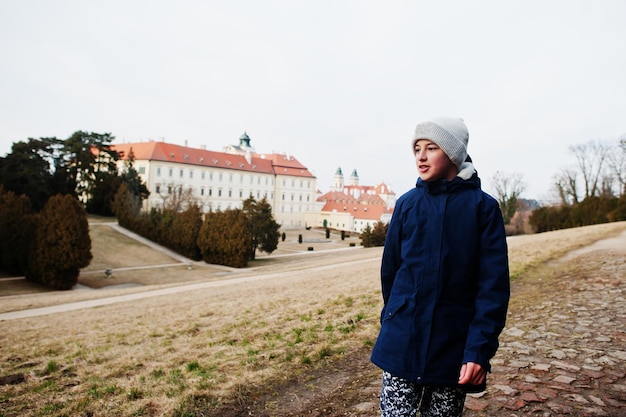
x=563, y=352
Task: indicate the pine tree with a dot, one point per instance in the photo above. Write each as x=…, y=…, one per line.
x=125, y=207
x=62, y=244
x=185, y=230
x=263, y=227
x=366, y=237
x=16, y=229
x=225, y=238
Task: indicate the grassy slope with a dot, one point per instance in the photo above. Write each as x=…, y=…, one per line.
x=161, y=355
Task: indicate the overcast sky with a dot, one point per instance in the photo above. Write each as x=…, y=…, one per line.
x=333, y=83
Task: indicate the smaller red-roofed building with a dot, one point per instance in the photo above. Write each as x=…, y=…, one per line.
x=353, y=207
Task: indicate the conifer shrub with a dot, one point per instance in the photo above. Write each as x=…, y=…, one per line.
x=374, y=236
x=183, y=236
x=17, y=227
x=62, y=244
x=126, y=207
x=263, y=227
x=225, y=238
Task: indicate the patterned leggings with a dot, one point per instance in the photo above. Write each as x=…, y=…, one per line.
x=402, y=398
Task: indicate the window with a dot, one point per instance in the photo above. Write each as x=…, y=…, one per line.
x=157, y=189
x=210, y=192
x=158, y=171
x=240, y=193
x=171, y=172
x=201, y=191
x=190, y=174
x=142, y=170
x=230, y=193
x=219, y=192
x=180, y=174
x=202, y=175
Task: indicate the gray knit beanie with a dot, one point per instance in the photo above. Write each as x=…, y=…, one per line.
x=449, y=133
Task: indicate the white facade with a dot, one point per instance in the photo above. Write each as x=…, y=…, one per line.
x=221, y=181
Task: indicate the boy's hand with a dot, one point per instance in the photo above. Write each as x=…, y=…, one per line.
x=472, y=373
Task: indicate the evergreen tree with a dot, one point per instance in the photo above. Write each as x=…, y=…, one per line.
x=27, y=170
x=62, y=244
x=366, y=237
x=374, y=236
x=225, y=238
x=89, y=158
x=16, y=229
x=263, y=227
x=183, y=236
x=103, y=195
x=379, y=233
x=132, y=179
x=125, y=207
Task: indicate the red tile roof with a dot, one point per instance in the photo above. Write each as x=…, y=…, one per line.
x=343, y=197
x=357, y=210
x=167, y=152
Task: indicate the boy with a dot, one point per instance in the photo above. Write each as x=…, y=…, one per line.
x=445, y=281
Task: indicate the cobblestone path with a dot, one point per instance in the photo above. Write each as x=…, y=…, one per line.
x=563, y=352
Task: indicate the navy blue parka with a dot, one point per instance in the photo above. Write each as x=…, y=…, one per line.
x=445, y=282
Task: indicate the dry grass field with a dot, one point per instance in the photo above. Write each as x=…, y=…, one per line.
x=222, y=335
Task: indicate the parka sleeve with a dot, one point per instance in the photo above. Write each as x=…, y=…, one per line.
x=392, y=256
x=492, y=299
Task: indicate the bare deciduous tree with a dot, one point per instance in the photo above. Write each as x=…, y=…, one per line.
x=590, y=176
x=591, y=158
x=177, y=199
x=617, y=163
x=565, y=183
x=508, y=188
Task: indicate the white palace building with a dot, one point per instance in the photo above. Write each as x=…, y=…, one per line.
x=223, y=180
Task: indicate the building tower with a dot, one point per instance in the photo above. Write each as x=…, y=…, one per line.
x=354, y=178
x=338, y=180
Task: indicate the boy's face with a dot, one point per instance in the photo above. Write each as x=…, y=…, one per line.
x=432, y=163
